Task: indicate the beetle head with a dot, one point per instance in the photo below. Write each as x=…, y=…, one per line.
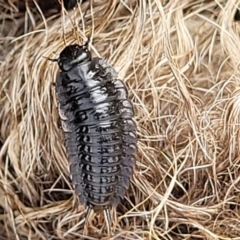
x=72, y=55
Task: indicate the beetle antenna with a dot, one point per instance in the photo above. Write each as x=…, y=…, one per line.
x=87, y=43
x=51, y=59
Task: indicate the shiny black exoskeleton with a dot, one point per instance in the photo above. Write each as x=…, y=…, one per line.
x=100, y=134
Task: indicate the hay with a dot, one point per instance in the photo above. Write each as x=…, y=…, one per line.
x=180, y=61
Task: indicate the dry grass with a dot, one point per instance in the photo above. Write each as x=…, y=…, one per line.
x=180, y=61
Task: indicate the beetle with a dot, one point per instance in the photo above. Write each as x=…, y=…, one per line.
x=100, y=133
